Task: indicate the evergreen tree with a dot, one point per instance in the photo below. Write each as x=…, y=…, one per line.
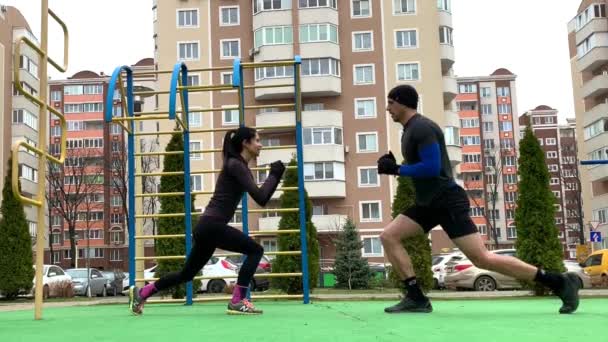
x=537, y=241
x=291, y=242
x=173, y=225
x=418, y=247
x=352, y=271
x=16, y=271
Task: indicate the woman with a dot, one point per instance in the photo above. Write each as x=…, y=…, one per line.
x=211, y=232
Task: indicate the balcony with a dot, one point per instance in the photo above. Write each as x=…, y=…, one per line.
x=320, y=50
x=319, y=15
x=596, y=25
x=268, y=156
x=450, y=89
x=598, y=173
x=447, y=57
x=445, y=18
x=593, y=59
x=326, y=189
x=596, y=113
x=313, y=118
x=272, y=18
x=473, y=185
x=268, y=53
x=452, y=118
x=455, y=154
x=595, y=86
x=323, y=223
x=312, y=86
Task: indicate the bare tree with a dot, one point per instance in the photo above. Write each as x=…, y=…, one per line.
x=150, y=183
x=570, y=177
x=70, y=186
x=492, y=167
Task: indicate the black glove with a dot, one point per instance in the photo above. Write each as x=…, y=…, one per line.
x=387, y=165
x=277, y=168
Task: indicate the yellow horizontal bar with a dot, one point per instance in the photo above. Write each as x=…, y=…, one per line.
x=168, y=194
x=150, y=92
x=206, y=88
x=219, y=298
x=166, y=257
x=155, y=133
x=199, y=172
x=166, y=236
x=265, y=64
x=279, y=105
x=261, y=128
x=275, y=210
x=274, y=232
x=258, y=276
x=211, y=130
x=140, y=118
x=146, y=73
x=267, y=253
x=281, y=85
x=283, y=147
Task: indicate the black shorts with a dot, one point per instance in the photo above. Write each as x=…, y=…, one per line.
x=450, y=209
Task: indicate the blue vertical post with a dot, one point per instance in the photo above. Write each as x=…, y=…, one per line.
x=180, y=70
x=109, y=105
x=300, y=161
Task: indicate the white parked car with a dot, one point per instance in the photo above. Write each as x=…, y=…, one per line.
x=54, y=279
x=439, y=267
x=223, y=271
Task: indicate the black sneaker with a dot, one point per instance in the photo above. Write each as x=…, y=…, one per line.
x=136, y=303
x=569, y=294
x=409, y=305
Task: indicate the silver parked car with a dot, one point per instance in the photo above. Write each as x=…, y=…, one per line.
x=94, y=285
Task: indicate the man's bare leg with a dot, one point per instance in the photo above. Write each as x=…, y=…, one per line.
x=564, y=286
x=403, y=227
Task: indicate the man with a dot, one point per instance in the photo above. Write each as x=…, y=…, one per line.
x=440, y=201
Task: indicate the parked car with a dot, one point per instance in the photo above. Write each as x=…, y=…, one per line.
x=583, y=276
x=92, y=285
x=54, y=279
x=223, y=271
x=125, y=282
x=464, y=275
x=114, y=284
x=596, y=265
x=439, y=267
x=257, y=283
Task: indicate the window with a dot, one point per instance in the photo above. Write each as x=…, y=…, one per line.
x=595, y=129
x=313, y=33
x=230, y=48
x=367, y=142
x=469, y=140
x=115, y=255
x=115, y=129
x=195, y=119
x=467, y=88
x=477, y=211
x=320, y=210
x=504, y=108
x=29, y=65
x=193, y=80
x=512, y=198
x=116, y=201
x=365, y=108
x=511, y=179
x=486, y=92
x=323, y=171
x=444, y=5
x=471, y=158
x=601, y=215
x=230, y=117
x=28, y=173
x=237, y=218
x=550, y=141
x=372, y=246
x=363, y=41
x=270, y=245
x=370, y=211
x=557, y=194
x=270, y=141
x=551, y=155
x=452, y=136
x=55, y=95
x=320, y=67
x=229, y=16
x=272, y=35
x=404, y=6
x=318, y=3
x=322, y=136
x=368, y=176
x=509, y=161
x=408, y=72
x=406, y=39
x=196, y=146
x=73, y=90
x=364, y=74
x=483, y=229
x=96, y=234
x=552, y=167
x=488, y=127
x=511, y=232
x=494, y=214
x=187, y=18
x=506, y=126
x=270, y=5
x=23, y=116
x=445, y=35
x=196, y=182
x=469, y=123
x=502, y=91
x=281, y=71
x=187, y=51
x=568, y=160
x=227, y=78
x=361, y=8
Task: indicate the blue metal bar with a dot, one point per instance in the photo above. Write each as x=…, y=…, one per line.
x=130, y=156
x=301, y=190
x=594, y=162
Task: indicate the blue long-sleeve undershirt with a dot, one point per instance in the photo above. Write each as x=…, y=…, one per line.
x=429, y=165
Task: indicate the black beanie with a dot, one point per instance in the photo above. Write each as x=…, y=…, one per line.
x=406, y=95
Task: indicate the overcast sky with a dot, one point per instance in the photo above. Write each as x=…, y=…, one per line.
x=528, y=37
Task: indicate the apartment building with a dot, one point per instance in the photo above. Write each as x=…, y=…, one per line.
x=588, y=42
x=353, y=53
x=558, y=142
x=91, y=182
x=20, y=116
x=487, y=107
